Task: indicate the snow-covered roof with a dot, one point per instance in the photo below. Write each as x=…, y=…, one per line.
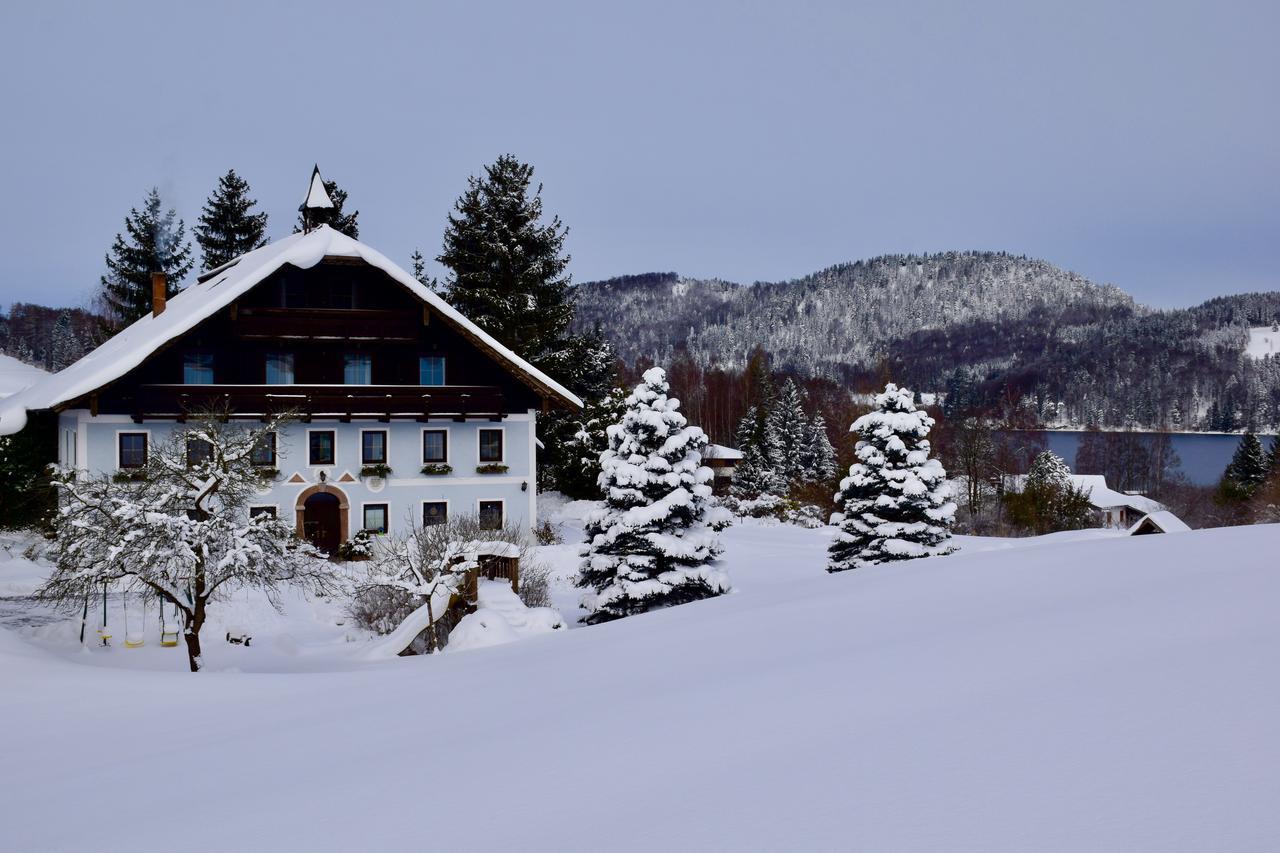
x=1101, y=495
x=16, y=375
x=206, y=297
x=1164, y=521
x=719, y=451
x=1104, y=497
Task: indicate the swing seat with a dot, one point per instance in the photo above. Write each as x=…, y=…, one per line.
x=168, y=639
x=104, y=634
x=134, y=642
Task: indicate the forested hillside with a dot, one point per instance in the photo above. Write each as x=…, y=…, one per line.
x=994, y=327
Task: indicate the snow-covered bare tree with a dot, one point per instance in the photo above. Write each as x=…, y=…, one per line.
x=652, y=544
x=181, y=531
x=897, y=503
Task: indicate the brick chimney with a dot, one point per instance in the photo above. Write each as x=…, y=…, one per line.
x=159, y=290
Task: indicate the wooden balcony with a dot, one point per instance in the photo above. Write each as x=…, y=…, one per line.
x=344, y=324
x=307, y=402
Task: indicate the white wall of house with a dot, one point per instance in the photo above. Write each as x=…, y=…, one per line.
x=91, y=444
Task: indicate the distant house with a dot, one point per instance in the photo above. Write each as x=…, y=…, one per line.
x=1113, y=509
x=1159, y=522
x=722, y=461
x=407, y=412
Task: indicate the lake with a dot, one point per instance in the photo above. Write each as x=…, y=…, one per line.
x=1204, y=455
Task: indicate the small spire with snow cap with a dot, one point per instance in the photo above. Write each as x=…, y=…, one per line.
x=318, y=205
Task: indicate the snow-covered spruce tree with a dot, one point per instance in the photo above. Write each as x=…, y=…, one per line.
x=651, y=544
x=506, y=269
x=818, y=459
x=896, y=499
x=591, y=441
x=227, y=227
x=1246, y=471
x=64, y=347
x=786, y=425
x=155, y=243
x=1049, y=500
x=334, y=217
x=181, y=532
x=757, y=473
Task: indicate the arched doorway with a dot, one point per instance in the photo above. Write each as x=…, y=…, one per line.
x=322, y=518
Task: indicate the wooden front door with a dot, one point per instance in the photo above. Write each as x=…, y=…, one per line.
x=321, y=522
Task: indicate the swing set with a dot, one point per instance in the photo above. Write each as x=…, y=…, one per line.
x=135, y=628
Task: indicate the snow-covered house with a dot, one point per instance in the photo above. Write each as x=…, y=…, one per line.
x=1116, y=509
x=379, y=370
x=722, y=461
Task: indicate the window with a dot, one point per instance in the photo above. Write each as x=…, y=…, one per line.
x=264, y=452
x=435, y=446
x=268, y=511
x=490, y=445
x=198, y=451
x=320, y=447
x=197, y=368
x=431, y=370
x=434, y=512
x=133, y=449
x=373, y=447
x=490, y=515
x=280, y=368
x=357, y=369
x=375, y=518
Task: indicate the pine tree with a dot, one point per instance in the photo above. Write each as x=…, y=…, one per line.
x=64, y=347
x=896, y=499
x=1246, y=471
x=756, y=475
x=226, y=228
x=507, y=269
x=1273, y=457
x=786, y=424
x=819, y=457
x=591, y=441
x=347, y=223
x=420, y=272
x=155, y=243
x=650, y=545
x=1050, y=500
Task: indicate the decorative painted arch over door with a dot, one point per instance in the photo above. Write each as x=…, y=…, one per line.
x=323, y=517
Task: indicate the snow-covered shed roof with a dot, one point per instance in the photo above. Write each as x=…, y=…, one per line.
x=1101, y=495
x=1104, y=497
x=215, y=291
x=719, y=451
x=1162, y=521
x=17, y=375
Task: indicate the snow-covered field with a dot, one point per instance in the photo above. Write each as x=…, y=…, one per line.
x=1074, y=692
x=1263, y=342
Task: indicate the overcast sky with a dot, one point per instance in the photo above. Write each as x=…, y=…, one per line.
x=1138, y=144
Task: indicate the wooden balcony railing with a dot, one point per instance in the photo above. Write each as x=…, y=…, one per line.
x=340, y=402
x=327, y=324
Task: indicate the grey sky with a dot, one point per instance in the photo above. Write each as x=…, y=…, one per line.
x=1134, y=143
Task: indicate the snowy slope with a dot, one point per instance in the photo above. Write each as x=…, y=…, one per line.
x=1065, y=695
x=1263, y=342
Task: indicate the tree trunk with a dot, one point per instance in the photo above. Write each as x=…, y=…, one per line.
x=193, y=648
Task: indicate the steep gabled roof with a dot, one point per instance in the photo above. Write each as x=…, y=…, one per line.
x=218, y=289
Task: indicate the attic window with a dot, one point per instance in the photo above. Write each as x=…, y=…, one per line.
x=197, y=368
x=431, y=370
